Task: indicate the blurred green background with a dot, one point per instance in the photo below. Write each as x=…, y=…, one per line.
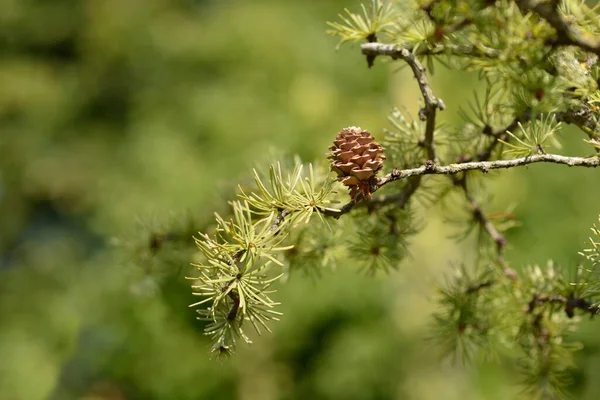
x=127, y=123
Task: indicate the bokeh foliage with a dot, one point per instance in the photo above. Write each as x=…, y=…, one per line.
x=126, y=124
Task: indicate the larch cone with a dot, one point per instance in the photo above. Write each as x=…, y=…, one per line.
x=356, y=158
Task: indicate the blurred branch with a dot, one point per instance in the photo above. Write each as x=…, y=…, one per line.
x=400, y=198
x=482, y=285
x=441, y=31
x=461, y=50
x=582, y=117
x=497, y=134
x=566, y=33
x=498, y=238
x=571, y=303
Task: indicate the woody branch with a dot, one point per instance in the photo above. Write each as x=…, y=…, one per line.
x=483, y=166
x=432, y=103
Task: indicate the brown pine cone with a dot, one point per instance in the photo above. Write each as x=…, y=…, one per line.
x=356, y=158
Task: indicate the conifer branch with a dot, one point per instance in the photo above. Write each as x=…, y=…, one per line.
x=485, y=166
x=235, y=278
x=428, y=8
x=400, y=198
x=566, y=33
x=344, y=210
x=498, y=238
x=440, y=32
x=482, y=285
x=279, y=220
x=459, y=50
x=582, y=117
x=431, y=169
x=431, y=102
x=498, y=135
x=233, y=311
x=571, y=303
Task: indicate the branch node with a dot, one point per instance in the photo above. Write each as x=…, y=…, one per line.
x=430, y=166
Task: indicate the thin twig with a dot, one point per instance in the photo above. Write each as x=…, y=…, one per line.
x=398, y=52
x=476, y=288
x=400, y=199
x=460, y=50
x=499, y=134
x=442, y=31
x=279, y=219
x=233, y=311
x=330, y=212
x=498, y=238
x=583, y=117
x=485, y=166
x=428, y=8
x=431, y=102
x=431, y=169
x=571, y=304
